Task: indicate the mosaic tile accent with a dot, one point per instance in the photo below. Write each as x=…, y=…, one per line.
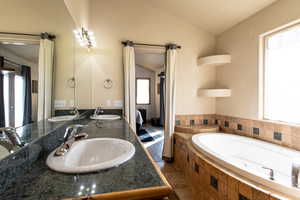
x=192, y=122
x=226, y=123
x=277, y=136
x=255, y=131
x=240, y=127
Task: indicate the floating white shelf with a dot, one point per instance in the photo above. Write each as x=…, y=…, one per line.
x=215, y=60
x=214, y=92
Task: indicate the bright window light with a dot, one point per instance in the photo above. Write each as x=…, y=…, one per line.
x=142, y=91
x=19, y=100
x=282, y=76
x=6, y=99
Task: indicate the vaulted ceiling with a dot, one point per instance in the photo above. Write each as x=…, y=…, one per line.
x=214, y=16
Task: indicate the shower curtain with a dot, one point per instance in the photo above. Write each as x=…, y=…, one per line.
x=162, y=99
x=129, y=84
x=27, y=113
x=46, y=56
x=171, y=55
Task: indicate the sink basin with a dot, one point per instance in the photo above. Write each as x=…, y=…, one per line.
x=62, y=118
x=92, y=155
x=106, y=117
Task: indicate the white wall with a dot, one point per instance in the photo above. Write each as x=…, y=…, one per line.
x=79, y=10
x=242, y=42
x=113, y=21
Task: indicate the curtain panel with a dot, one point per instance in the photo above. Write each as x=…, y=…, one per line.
x=171, y=62
x=2, y=109
x=27, y=113
x=129, y=85
x=46, y=60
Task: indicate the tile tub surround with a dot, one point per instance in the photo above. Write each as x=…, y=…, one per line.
x=284, y=134
x=36, y=181
x=210, y=181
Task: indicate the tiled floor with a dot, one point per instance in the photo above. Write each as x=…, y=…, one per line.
x=174, y=176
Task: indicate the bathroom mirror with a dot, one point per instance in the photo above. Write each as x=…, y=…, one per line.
x=36, y=68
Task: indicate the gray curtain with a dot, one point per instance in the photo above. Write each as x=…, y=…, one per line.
x=2, y=111
x=162, y=99
x=26, y=74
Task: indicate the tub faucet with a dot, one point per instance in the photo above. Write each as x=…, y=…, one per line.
x=295, y=172
x=98, y=111
x=271, y=172
x=75, y=112
x=11, y=140
x=71, y=135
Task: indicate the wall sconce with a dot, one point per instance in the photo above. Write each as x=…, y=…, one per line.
x=85, y=38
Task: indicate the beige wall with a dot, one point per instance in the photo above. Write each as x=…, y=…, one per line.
x=115, y=20
x=242, y=42
x=36, y=16
x=79, y=10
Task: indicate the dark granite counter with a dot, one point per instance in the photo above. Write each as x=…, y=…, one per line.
x=35, y=180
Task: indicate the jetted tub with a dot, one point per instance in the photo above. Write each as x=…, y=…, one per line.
x=248, y=157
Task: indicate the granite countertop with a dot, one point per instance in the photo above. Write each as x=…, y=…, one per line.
x=39, y=182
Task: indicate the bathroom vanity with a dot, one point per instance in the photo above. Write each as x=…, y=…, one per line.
x=25, y=175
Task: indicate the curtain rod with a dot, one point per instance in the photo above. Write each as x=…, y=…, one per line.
x=144, y=44
x=44, y=35
x=9, y=61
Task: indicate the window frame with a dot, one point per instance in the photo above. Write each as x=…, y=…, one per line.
x=136, y=80
x=263, y=39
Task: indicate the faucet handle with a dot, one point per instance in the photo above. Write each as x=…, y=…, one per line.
x=271, y=172
x=12, y=135
x=295, y=171
x=72, y=130
x=75, y=111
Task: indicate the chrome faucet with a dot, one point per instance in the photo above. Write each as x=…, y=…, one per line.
x=98, y=111
x=11, y=140
x=271, y=172
x=71, y=135
x=295, y=172
x=75, y=112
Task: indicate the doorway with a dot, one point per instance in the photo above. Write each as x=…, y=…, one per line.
x=150, y=92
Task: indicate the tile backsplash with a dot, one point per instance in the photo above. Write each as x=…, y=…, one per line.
x=274, y=132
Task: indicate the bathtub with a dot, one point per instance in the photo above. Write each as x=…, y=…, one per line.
x=247, y=157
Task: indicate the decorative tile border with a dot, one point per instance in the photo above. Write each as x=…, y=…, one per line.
x=274, y=132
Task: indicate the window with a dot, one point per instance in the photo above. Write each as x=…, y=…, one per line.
x=282, y=75
x=142, y=91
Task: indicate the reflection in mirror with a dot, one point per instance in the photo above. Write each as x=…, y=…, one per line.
x=36, y=70
x=19, y=72
x=26, y=68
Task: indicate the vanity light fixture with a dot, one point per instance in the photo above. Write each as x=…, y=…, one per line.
x=85, y=38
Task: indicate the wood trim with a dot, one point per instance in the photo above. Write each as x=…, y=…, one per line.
x=137, y=194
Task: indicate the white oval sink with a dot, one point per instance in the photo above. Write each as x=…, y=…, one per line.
x=105, y=117
x=62, y=118
x=92, y=155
